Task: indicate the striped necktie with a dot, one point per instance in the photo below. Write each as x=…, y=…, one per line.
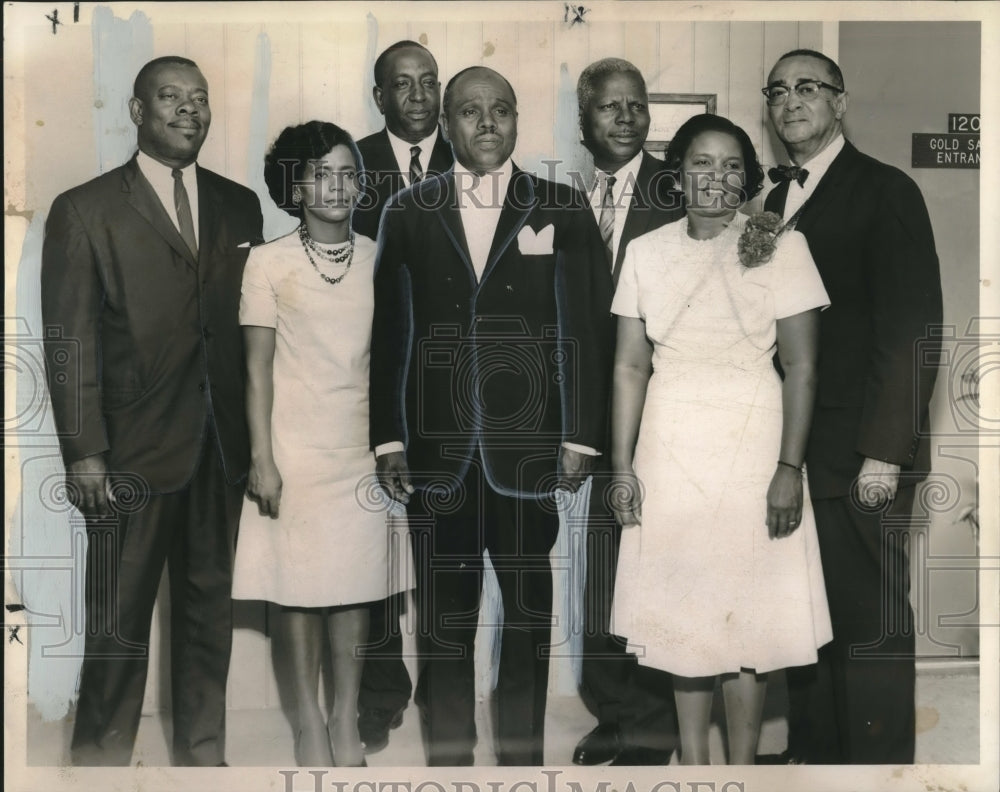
x=185, y=221
x=607, y=220
x=416, y=172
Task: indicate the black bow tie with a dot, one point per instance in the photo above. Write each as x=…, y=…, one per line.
x=788, y=173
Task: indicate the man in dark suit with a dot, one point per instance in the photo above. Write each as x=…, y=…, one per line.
x=141, y=274
x=870, y=235
x=407, y=92
x=490, y=375
x=631, y=195
x=409, y=148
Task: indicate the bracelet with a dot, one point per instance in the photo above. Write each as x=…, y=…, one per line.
x=790, y=465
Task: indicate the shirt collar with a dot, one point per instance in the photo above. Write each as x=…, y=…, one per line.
x=820, y=164
x=154, y=169
x=491, y=184
x=625, y=176
x=401, y=149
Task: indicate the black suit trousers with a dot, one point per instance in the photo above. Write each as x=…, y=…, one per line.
x=856, y=705
x=450, y=534
x=639, y=700
x=193, y=530
x=385, y=682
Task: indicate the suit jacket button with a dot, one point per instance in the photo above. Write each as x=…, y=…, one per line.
x=509, y=288
x=201, y=386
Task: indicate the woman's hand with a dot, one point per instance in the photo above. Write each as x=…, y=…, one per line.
x=784, y=502
x=264, y=487
x=624, y=496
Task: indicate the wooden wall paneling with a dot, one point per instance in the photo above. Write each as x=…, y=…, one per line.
x=464, y=47
x=232, y=109
x=59, y=133
x=356, y=108
x=571, y=48
x=319, y=53
x=746, y=57
x=607, y=40
x=642, y=47
x=171, y=39
x=500, y=52
x=675, y=69
x=287, y=76
x=207, y=46
x=811, y=37
x=711, y=61
x=434, y=36
x=536, y=92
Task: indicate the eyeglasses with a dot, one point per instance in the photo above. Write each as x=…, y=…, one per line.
x=807, y=91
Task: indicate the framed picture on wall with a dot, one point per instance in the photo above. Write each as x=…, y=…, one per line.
x=667, y=111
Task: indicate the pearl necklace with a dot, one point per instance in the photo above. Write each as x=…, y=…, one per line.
x=335, y=255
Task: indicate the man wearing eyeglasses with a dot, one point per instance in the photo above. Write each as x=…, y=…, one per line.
x=870, y=235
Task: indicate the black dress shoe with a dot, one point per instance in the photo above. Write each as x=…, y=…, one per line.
x=783, y=758
x=639, y=756
x=374, y=725
x=601, y=744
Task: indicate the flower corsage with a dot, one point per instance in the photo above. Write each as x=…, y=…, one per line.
x=759, y=237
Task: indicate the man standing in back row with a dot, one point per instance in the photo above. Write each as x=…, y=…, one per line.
x=631, y=195
x=870, y=235
x=409, y=148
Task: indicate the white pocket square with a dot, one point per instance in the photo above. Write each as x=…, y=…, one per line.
x=243, y=245
x=532, y=244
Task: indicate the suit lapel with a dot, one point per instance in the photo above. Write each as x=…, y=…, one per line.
x=827, y=189
x=140, y=195
x=451, y=220
x=209, y=217
x=441, y=157
x=513, y=216
x=637, y=222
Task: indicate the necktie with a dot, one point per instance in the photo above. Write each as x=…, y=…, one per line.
x=416, y=172
x=607, y=219
x=183, y=207
x=788, y=173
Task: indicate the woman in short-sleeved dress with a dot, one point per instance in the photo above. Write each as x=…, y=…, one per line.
x=322, y=541
x=719, y=571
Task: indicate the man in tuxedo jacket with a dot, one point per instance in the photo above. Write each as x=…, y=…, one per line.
x=409, y=148
x=870, y=235
x=631, y=194
x=490, y=370
x=141, y=275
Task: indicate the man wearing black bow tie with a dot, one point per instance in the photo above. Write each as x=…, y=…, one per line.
x=870, y=235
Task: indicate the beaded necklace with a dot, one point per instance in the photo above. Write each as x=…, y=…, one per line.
x=335, y=255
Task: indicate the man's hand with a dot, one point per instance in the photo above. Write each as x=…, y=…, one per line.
x=876, y=483
x=394, y=476
x=88, y=487
x=574, y=468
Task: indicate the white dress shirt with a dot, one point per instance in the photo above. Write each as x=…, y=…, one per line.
x=621, y=193
x=161, y=179
x=817, y=167
x=401, y=151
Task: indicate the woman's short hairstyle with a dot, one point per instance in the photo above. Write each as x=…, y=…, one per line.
x=709, y=122
x=296, y=146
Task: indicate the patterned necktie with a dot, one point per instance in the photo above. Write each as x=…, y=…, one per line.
x=788, y=173
x=607, y=220
x=416, y=172
x=183, y=207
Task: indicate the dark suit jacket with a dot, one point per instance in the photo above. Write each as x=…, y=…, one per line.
x=152, y=336
x=654, y=203
x=383, y=179
x=870, y=235
x=507, y=367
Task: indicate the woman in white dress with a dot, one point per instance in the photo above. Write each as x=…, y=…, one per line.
x=321, y=543
x=719, y=573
